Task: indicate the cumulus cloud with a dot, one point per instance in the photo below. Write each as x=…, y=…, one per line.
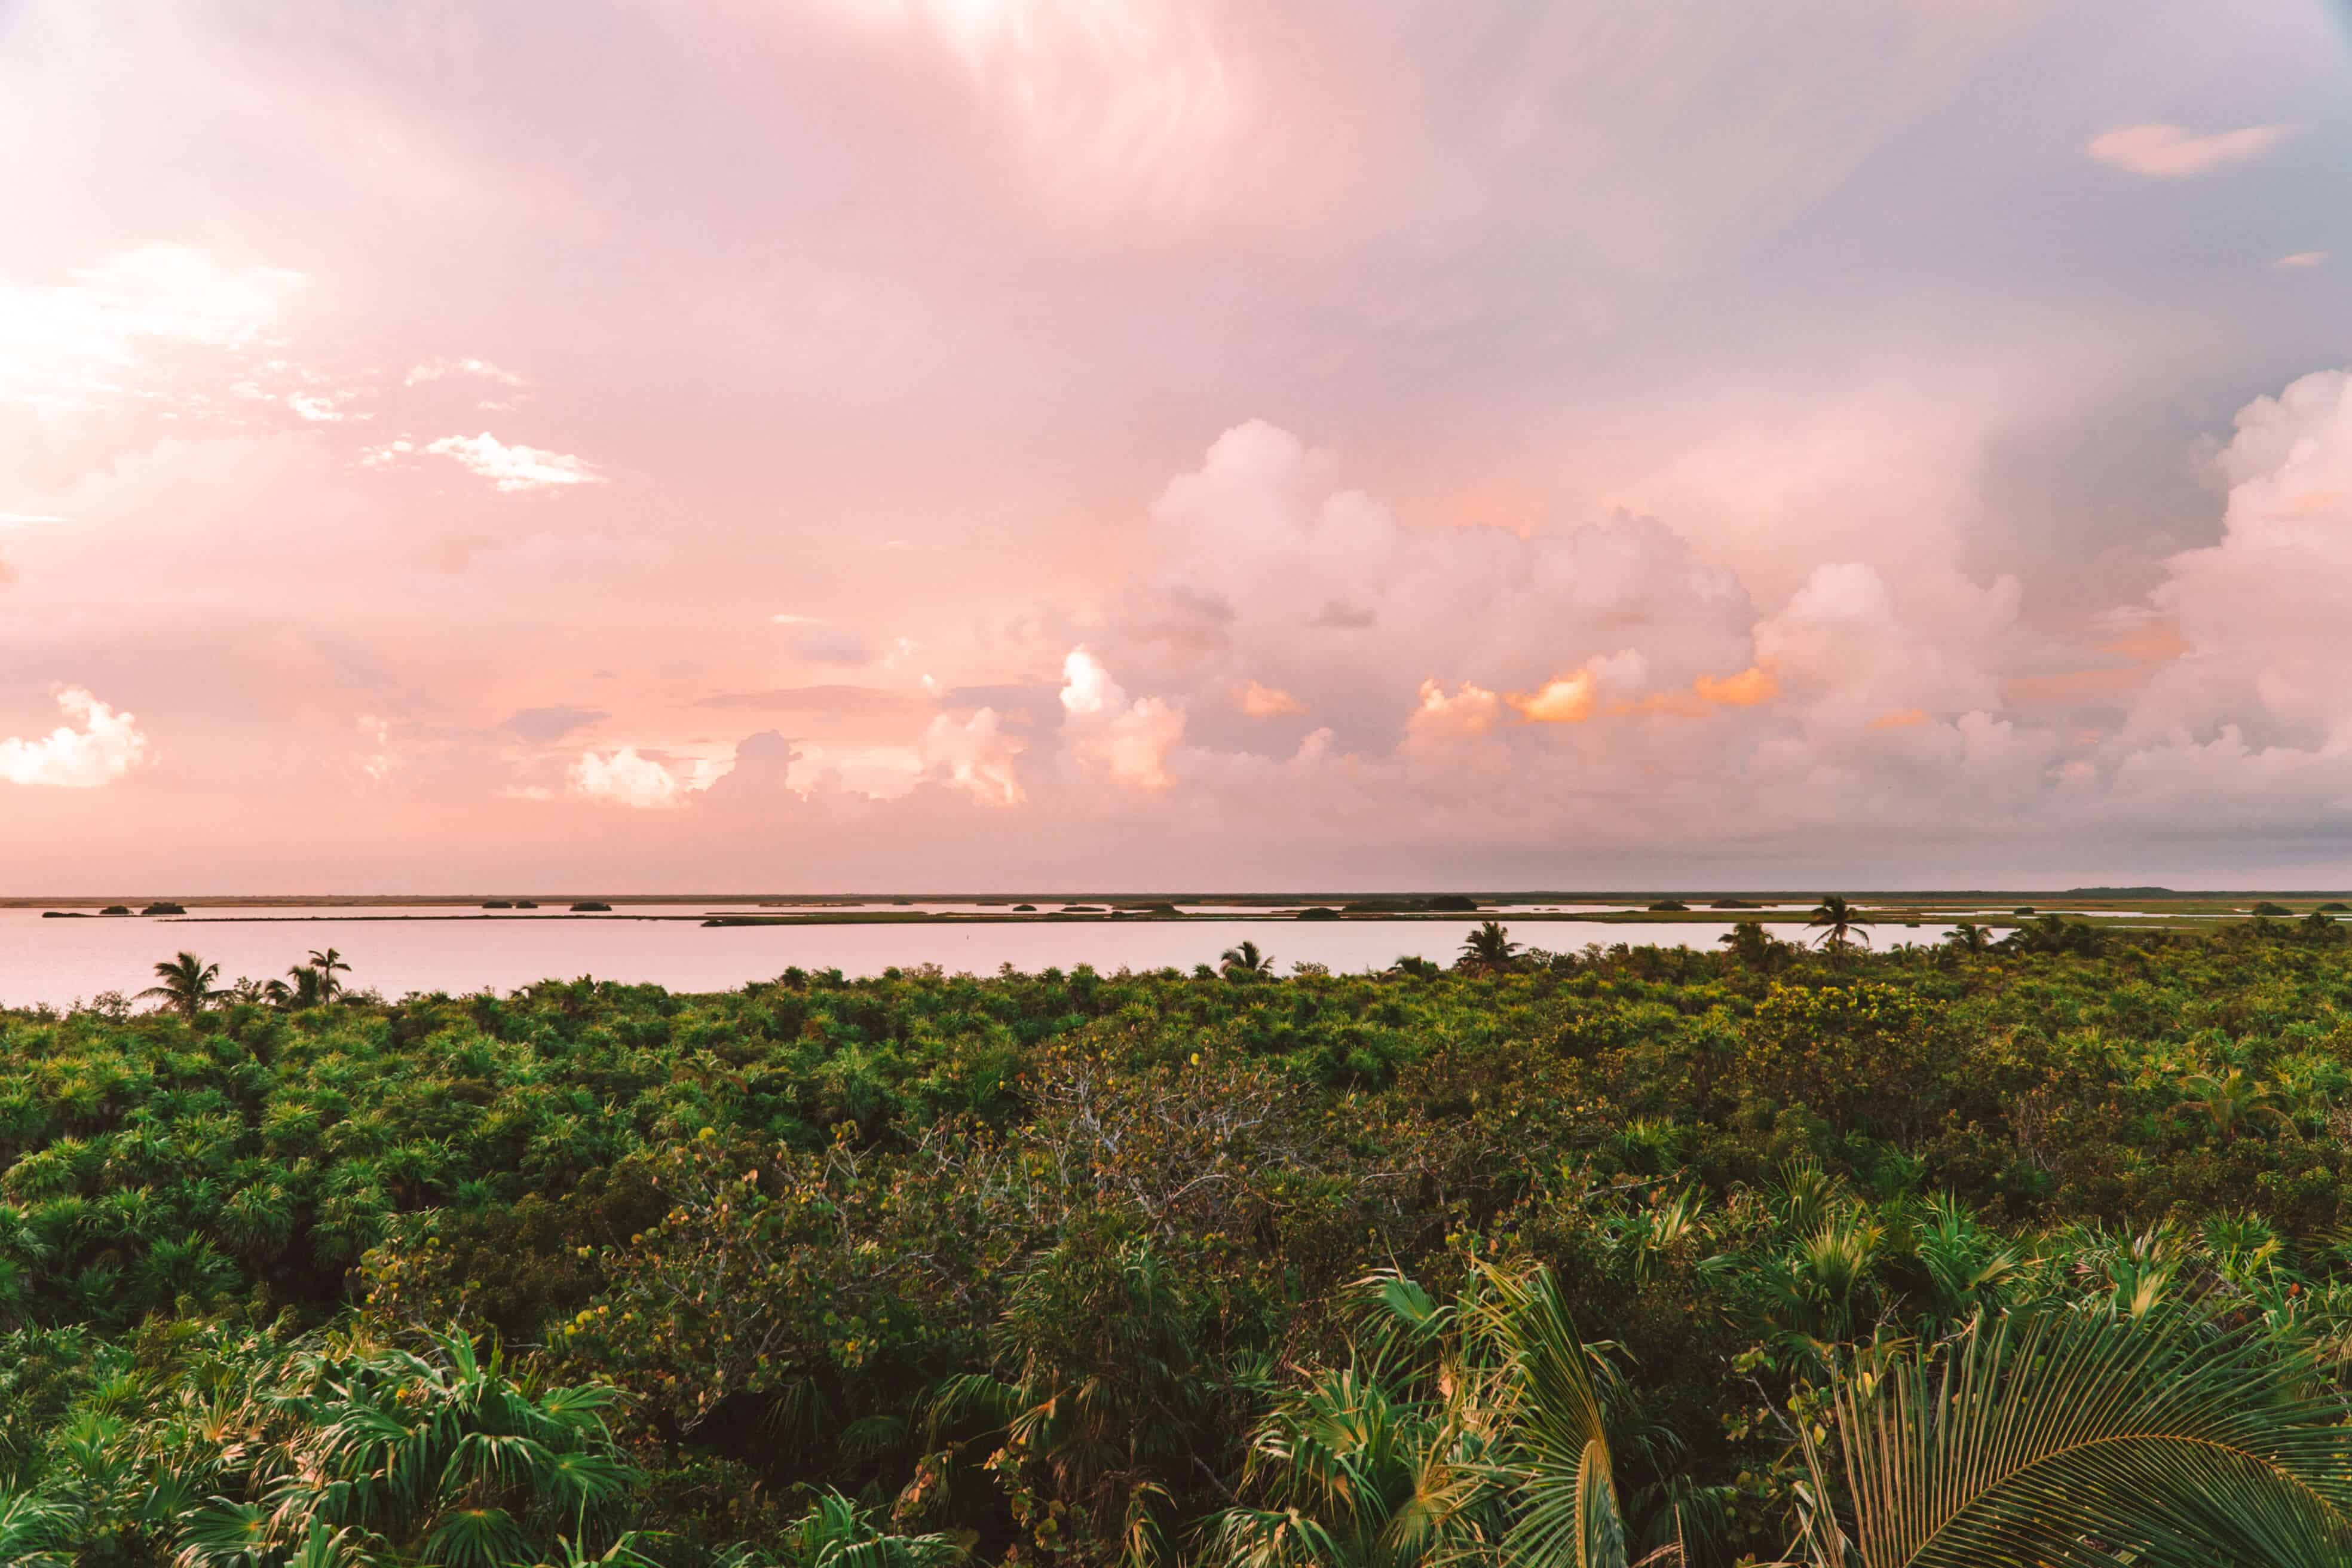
x=1130, y=740
x=97, y=747
x=2261, y=614
x=509, y=467
x=1467, y=710
x=1265, y=571
x=974, y=753
x=2170, y=153
x=627, y=777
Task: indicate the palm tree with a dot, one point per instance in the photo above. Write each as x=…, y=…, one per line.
x=327, y=965
x=2165, y=1439
x=1970, y=938
x=1489, y=947
x=188, y=984
x=1753, y=945
x=303, y=992
x=1245, y=961
x=836, y=1533
x=1472, y=1431
x=1844, y=923
x=2231, y=1102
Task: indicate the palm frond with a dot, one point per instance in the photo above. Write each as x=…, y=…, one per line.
x=2063, y=1436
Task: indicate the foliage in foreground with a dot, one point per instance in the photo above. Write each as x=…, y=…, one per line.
x=1987, y=1255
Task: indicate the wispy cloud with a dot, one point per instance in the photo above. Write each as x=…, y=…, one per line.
x=2302, y=259
x=2170, y=152
x=433, y=370
x=76, y=344
x=515, y=467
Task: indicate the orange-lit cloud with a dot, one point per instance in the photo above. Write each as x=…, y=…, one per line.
x=1563, y=700
x=1749, y=688
x=1471, y=711
x=1901, y=719
x=1268, y=702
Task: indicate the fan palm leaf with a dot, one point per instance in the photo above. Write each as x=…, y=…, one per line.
x=2063, y=1436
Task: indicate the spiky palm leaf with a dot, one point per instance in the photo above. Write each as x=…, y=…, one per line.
x=1558, y=1446
x=2090, y=1437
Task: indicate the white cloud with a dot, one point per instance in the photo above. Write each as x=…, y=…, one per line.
x=105, y=746
x=1130, y=740
x=626, y=777
x=974, y=754
x=433, y=370
x=2263, y=612
x=321, y=409
x=2170, y=153
x=515, y=467
x=71, y=344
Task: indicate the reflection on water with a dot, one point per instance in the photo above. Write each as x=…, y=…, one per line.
x=61, y=961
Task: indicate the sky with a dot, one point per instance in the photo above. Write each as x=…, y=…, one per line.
x=995, y=444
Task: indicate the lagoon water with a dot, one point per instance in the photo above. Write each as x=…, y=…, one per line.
x=58, y=962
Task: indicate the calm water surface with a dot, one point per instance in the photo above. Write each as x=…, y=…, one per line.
x=60, y=962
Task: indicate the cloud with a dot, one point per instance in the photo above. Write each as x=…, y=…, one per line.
x=1566, y=700
x=1470, y=710
x=322, y=408
x=626, y=777
x=1748, y=688
x=1263, y=569
x=2170, y=153
x=974, y=754
x=2301, y=258
x=1268, y=702
x=72, y=344
x=1130, y=740
x=545, y=726
x=434, y=370
x=2260, y=616
x=104, y=747
x=510, y=468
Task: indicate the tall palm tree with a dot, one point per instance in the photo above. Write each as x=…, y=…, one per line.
x=188, y=983
x=1245, y=961
x=1489, y=947
x=327, y=965
x=1842, y=922
x=302, y=993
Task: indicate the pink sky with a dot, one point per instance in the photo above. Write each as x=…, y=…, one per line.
x=780, y=445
